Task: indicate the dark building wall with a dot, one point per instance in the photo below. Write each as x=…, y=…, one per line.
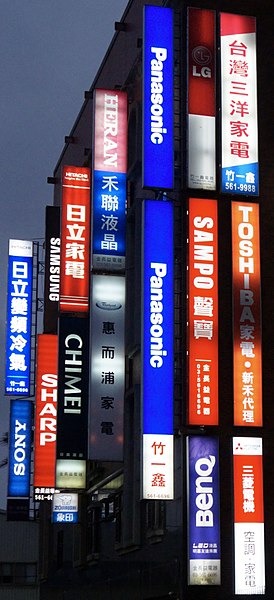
x=147, y=556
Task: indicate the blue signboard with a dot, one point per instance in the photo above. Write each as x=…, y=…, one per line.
x=158, y=363
x=203, y=510
x=109, y=219
x=158, y=98
x=19, y=448
x=65, y=508
x=19, y=308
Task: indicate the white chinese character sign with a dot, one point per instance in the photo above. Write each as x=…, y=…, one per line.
x=75, y=240
x=246, y=314
x=240, y=171
x=109, y=180
x=203, y=312
x=19, y=309
x=106, y=410
x=249, y=552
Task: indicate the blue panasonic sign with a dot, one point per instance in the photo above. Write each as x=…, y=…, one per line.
x=157, y=344
x=19, y=448
x=158, y=98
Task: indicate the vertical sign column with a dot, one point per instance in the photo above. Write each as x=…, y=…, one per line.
x=204, y=564
x=52, y=269
x=19, y=310
x=45, y=414
x=246, y=314
x=109, y=180
x=249, y=553
x=157, y=350
x=75, y=240
x=203, y=312
x=201, y=99
x=158, y=168
x=107, y=368
x=19, y=448
x=240, y=171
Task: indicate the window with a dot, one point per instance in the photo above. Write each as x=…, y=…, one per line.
x=18, y=573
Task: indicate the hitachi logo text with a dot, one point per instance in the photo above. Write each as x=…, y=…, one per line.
x=204, y=491
x=156, y=87
x=156, y=315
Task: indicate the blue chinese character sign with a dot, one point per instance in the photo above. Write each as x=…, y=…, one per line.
x=109, y=180
x=19, y=310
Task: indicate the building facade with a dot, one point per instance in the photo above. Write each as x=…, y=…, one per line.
x=135, y=538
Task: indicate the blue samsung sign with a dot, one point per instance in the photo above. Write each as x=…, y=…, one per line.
x=158, y=98
x=20, y=448
x=157, y=343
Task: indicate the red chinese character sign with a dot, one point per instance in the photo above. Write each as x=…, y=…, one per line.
x=75, y=240
x=240, y=173
x=203, y=312
x=249, y=559
x=246, y=314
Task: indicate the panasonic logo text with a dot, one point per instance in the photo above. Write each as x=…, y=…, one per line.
x=157, y=351
x=157, y=128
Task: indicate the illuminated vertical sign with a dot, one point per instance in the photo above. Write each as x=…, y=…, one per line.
x=247, y=314
x=249, y=553
x=45, y=412
x=158, y=169
x=203, y=312
x=157, y=350
x=107, y=368
x=19, y=448
x=240, y=171
x=75, y=240
x=109, y=180
x=201, y=99
x=52, y=269
x=204, y=557
x=72, y=404
x=19, y=310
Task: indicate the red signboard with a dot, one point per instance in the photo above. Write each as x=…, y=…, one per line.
x=110, y=147
x=247, y=314
x=203, y=312
x=45, y=411
x=75, y=240
x=201, y=62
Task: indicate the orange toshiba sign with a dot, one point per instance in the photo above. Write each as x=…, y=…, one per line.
x=247, y=314
x=45, y=411
x=75, y=240
x=203, y=312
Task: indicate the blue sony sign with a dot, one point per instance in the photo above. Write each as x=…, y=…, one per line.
x=203, y=509
x=157, y=343
x=19, y=308
x=158, y=98
x=19, y=448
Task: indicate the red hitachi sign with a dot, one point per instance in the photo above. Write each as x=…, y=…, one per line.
x=46, y=411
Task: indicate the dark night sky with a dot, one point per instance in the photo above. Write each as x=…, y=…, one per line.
x=50, y=52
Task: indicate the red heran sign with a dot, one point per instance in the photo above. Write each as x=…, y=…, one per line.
x=203, y=312
x=75, y=240
x=45, y=411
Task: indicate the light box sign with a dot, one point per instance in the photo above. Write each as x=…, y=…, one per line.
x=201, y=99
x=158, y=168
x=204, y=557
x=249, y=551
x=106, y=411
x=240, y=171
x=247, y=315
x=75, y=240
x=157, y=350
x=45, y=412
x=109, y=180
x=19, y=448
x=52, y=269
x=203, y=312
x=19, y=311
x=65, y=508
